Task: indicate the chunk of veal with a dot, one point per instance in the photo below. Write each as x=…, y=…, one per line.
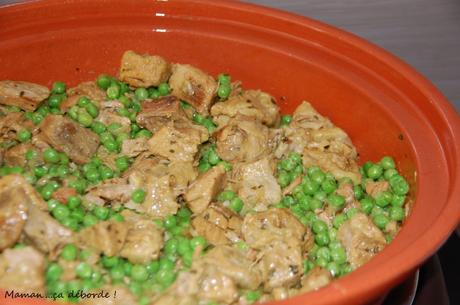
x=24, y=95
x=64, y=135
x=22, y=269
x=251, y=103
x=205, y=188
x=361, y=239
x=16, y=198
x=45, y=232
x=256, y=184
x=143, y=70
x=193, y=86
x=107, y=237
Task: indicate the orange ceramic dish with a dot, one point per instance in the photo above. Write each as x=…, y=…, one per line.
x=384, y=105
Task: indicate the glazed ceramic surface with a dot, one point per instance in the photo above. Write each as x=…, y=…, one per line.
x=384, y=105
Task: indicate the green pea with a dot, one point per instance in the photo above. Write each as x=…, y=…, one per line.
x=383, y=198
x=389, y=173
x=339, y=255
x=84, y=119
x=170, y=246
x=333, y=268
x=110, y=261
x=328, y=186
x=104, y=81
x=170, y=222
x=122, y=163
x=113, y=92
x=92, y=175
x=89, y=220
x=31, y=154
x=399, y=185
x=73, y=202
x=153, y=267
x=317, y=176
x=106, y=172
x=197, y=118
x=198, y=241
x=165, y=277
x=54, y=101
x=58, y=87
x=252, y=296
x=117, y=273
x=138, y=195
x=397, y=213
x=381, y=221
x=141, y=93
x=226, y=195
x=51, y=156
x=92, y=110
x=339, y=220
x=336, y=201
x=324, y=253
x=83, y=101
x=111, y=146
x=374, y=171
x=387, y=162
x=183, y=246
x=139, y=273
x=322, y=239
x=69, y=252
x=358, y=192
x=40, y=171
x=319, y=226
x=398, y=200
x=78, y=214
x=53, y=272
x=367, y=203
x=224, y=91
x=209, y=125
x=60, y=212
x=16, y=170
x=307, y=266
x=286, y=120
x=163, y=89
x=166, y=264
x=153, y=93
x=224, y=79
x=143, y=133
x=84, y=270
x=24, y=135
x=236, y=204
x=73, y=112
x=101, y=212
x=37, y=118
x=283, y=179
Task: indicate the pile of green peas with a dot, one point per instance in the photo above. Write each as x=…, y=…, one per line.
x=84, y=112
x=318, y=189
x=289, y=169
x=210, y=158
x=235, y=203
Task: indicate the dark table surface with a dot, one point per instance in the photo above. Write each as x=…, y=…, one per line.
x=425, y=34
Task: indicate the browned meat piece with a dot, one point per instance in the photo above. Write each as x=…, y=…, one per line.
x=306, y=117
x=118, y=295
x=243, y=139
x=155, y=114
x=107, y=237
x=361, y=239
x=15, y=156
x=262, y=228
x=256, y=185
x=281, y=263
x=88, y=89
x=250, y=103
x=143, y=70
x=144, y=239
x=373, y=188
x=193, y=86
x=176, y=144
x=180, y=176
x=10, y=124
x=46, y=233
x=112, y=190
x=23, y=270
x=24, y=95
x=107, y=158
x=205, y=188
x=235, y=264
x=134, y=147
x=331, y=162
x=218, y=225
x=79, y=143
x=216, y=286
x=315, y=279
x=14, y=203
